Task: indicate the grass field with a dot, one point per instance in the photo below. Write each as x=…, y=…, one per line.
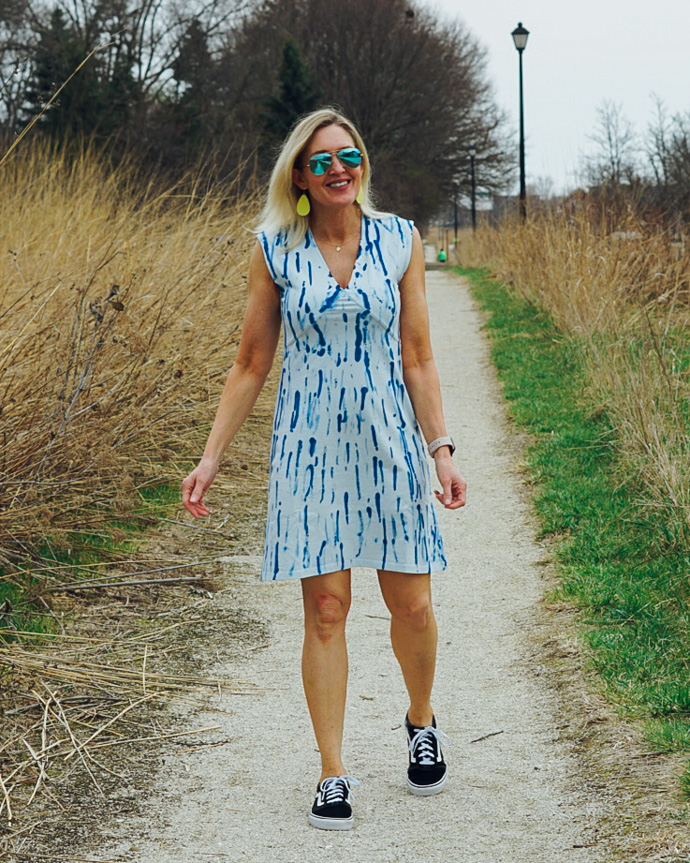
x=120, y=308
x=120, y=311
x=620, y=558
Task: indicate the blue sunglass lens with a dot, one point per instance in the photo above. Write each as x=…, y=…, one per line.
x=320, y=163
x=351, y=157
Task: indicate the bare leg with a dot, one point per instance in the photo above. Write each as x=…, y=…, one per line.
x=324, y=663
x=414, y=636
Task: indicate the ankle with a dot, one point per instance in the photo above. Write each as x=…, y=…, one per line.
x=330, y=770
x=421, y=717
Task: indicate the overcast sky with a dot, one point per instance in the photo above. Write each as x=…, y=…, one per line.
x=578, y=55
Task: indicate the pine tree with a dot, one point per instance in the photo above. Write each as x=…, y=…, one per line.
x=298, y=95
x=58, y=52
x=192, y=110
x=99, y=98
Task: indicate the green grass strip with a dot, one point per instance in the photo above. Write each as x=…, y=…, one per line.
x=616, y=562
x=19, y=607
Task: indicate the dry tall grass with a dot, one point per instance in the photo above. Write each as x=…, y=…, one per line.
x=120, y=307
x=624, y=294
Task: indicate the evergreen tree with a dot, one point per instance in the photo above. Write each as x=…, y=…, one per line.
x=298, y=95
x=193, y=110
x=99, y=98
x=58, y=52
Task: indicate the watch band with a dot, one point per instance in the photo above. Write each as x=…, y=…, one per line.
x=439, y=442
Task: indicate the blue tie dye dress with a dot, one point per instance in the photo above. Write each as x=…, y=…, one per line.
x=349, y=480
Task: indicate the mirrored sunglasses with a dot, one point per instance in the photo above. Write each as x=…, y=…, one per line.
x=350, y=157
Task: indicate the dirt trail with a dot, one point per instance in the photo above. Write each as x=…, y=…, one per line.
x=514, y=796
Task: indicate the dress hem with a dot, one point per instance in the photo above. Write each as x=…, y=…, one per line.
x=411, y=568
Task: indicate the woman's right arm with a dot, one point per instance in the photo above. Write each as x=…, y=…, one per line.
x=247, y=376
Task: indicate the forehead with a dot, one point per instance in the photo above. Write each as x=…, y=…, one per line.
x=329, y=138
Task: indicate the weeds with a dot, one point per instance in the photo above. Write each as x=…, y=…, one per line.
x=620, y=558
x=120, y=308
x=623, y=297
x=75, y=697
x=120, y=311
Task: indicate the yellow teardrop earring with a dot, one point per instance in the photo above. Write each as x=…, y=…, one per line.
x=303, y=205
x=360, y=195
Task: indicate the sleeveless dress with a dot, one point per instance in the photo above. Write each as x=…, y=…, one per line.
x=349, y=481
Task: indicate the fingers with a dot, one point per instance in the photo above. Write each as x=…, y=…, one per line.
x=453, y=495
x=196, y=509
x=459, y=494
x=455, y=503
x=193, y=491
x=447, y=492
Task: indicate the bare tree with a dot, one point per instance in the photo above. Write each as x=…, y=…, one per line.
x=137, y=42
x=668, y=151
x=194, y=78
x=417, y=89
x=148, y=34
x=16, y=39
x=615, y=160
x=542, y=187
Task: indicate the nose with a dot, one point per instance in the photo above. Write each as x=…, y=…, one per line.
x=340, y=165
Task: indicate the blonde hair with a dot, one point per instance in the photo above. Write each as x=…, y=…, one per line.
x=280, y=210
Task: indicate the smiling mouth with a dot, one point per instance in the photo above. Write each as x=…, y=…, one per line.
x=338, y=184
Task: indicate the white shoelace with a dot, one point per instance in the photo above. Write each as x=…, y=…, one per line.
x=336, y=788
x=423, y=745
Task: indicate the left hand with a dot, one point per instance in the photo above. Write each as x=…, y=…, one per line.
x=454, y=486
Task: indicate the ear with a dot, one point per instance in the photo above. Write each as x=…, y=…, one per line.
x=298, y=178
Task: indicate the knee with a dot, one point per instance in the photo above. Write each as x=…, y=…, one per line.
x=416, y=614
x=328, y=613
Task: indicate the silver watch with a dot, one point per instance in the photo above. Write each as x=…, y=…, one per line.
x=438, y=443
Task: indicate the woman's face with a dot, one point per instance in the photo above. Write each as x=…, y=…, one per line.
x=339, y=185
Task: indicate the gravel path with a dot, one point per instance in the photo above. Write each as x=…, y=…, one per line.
x=513, y=796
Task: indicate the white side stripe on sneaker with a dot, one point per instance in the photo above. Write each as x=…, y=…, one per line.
x=425, y=744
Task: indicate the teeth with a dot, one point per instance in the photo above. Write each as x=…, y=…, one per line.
x=338, y=185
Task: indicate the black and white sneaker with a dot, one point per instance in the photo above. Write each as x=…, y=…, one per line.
x=427, y=772
x=332, y=809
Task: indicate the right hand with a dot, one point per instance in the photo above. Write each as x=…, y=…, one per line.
x=195, y=486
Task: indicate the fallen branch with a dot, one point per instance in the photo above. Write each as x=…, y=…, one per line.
x=96, y=582
x=109, y=723
x=109, y=743
x=205, y=746
x=33, y=856
x=486, y=736
x=6, y=799
x=85, y=586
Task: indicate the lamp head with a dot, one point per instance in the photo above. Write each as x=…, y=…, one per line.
x=520, y=35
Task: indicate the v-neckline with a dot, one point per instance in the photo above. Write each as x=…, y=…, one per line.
x=357, y=257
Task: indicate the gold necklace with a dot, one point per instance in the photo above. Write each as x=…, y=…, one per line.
x=338, y=246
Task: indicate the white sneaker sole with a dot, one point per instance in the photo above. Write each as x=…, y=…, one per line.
x=428, y=790
x=331, y=823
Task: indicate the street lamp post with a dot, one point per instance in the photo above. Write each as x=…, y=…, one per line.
x=520, y=35
x=472, y=150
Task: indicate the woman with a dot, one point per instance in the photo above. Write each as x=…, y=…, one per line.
x=349, y=482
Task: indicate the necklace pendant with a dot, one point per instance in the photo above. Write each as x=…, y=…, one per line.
x=338, y=248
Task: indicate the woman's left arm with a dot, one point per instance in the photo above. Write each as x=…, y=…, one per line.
x=421, y=376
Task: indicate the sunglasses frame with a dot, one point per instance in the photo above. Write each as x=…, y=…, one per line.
x=312, y=164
